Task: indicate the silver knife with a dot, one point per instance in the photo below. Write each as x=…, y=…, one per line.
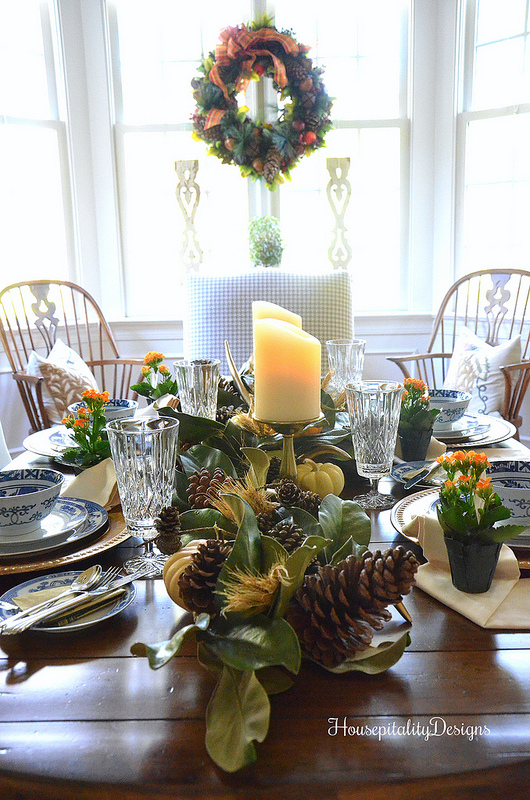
x=420, y=476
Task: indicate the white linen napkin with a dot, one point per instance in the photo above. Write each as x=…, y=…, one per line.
x=152, y=410
x=97, y=484
x=506, y=604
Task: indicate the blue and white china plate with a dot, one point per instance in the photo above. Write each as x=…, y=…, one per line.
x=58, y=580
x=49, y=442
x=93, y=518
x=65, y=516
x=401, y=471
x=424, y=504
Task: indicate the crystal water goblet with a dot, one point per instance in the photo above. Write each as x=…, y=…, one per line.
x=198, y=383
x=346, y=361
x=144, y=452
x=374, y=409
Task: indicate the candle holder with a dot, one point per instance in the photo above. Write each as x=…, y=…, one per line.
x=288, y=431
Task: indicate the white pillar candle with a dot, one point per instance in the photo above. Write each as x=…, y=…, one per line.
x=261, y=309
x=286, y=372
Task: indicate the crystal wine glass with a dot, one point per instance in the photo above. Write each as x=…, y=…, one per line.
x=374, y=408
x=144, y=452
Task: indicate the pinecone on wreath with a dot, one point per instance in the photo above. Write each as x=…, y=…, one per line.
x=337, y=608
x=202, y=484
x=197, y=581
x=167, y=525
x=272, y=164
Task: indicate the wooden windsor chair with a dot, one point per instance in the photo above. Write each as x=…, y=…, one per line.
x=495, y=305
x=34, y=315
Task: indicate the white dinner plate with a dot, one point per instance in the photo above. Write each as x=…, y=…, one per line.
x=498, y=431
x=49, y=442
x=423, y=504
x=95, y=518
x=64, y=579
x=400, y=472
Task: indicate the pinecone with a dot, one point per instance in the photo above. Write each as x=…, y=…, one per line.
x=167, y=524
x=287, y=492
x=252, y=150
x=310, y=502
x=208, y=134
x=272, y=164
x=308, y=100
x=267, y=521
x=225, y=413
x=202, y=484
x=386, y=577
x=288, y=534
x=227, y=385
x=337, y=608
x=312, y=121
x=197, y=581
x=295, y=71
x=274, y=469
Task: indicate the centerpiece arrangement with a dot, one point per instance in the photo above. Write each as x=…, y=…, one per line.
x=468, y=511
x=260, y=149
x=272, y=571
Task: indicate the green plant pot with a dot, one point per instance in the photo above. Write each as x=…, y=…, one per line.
x=472, y=565
x=414, y=444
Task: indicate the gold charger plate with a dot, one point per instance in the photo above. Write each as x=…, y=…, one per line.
x=419, y=503
x=114, y=535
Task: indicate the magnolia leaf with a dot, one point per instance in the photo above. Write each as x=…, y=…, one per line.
x=274, y=679
x=254, y=643
x=349, y=548
x=191, y=428
x=259, y=465
x=273, y=552
x=296, y=566
x=180, y=497
x=209, y=660
x=238, y=714
x=303, y=519
x=160, y=653
x=207, y=521
x=201, y=455
x=246, y=552
x=328, y=408
x=377, y=659
x=341, y=520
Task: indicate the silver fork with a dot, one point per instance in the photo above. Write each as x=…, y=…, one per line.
x=23, y=624
x=11, y=622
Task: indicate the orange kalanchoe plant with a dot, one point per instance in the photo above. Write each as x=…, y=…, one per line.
x=156, y=378
x=415, y=411
x=469, y=508
x=87, y=429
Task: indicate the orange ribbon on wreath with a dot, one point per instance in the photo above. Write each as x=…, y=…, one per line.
x=242, y=42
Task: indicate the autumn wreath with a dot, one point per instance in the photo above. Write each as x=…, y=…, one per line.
x=260, y=149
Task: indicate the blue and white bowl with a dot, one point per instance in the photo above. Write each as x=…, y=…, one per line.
x=113, y=409
x=511, y=481
x=27, y=496
x=452, y=404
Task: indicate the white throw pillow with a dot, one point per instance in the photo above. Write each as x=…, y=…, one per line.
x=66, y=377
x=475, y=368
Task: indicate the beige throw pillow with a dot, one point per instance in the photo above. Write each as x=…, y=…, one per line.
x=66, y=377
x=475, y=368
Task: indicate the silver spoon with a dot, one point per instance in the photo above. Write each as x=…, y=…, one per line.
x=84, y=581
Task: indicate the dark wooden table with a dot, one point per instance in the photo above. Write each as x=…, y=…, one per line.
x=82, y=718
